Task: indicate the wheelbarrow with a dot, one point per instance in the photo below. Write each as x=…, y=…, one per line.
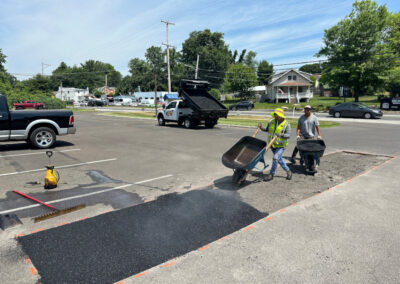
x=311, y=150
x=245, y=155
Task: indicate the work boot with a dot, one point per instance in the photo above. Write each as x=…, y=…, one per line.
x=293, y=160
x=268, y=177
x=289, y=175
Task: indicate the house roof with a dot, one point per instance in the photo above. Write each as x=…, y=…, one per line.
x=280, y=75
x=294, y=84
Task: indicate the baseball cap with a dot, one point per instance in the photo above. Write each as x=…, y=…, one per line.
x=308, y=106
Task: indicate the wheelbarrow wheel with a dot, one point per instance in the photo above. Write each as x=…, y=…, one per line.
x=239, y=176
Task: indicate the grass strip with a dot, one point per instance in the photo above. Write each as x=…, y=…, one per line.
x=231, y=120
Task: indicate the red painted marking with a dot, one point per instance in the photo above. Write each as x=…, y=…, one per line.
x=282, y=210
x=105, y=212
x=318, y=194
x=84, y=218
x=294, y=204
x=28, y=261
x=19, y=235
x=120, y=282
x=248, y=228
x=33, y=270
x=62, y=224
x=38, y=230
x=140, y=274
x=148, y=200
x=203, y=248
x=225, y=238
x=168, y=264
x=267, y=219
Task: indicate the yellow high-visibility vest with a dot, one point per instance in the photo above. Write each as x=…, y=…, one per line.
x=280, y=142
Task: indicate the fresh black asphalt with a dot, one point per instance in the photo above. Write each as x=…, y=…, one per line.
x=122, y=243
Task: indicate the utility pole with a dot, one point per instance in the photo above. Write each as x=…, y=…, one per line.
x=169, y=74
x=197, y=67
x=44, y=65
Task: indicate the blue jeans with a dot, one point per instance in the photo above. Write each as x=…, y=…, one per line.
x=278, y=159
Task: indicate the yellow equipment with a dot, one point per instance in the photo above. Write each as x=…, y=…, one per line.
x=51, y=179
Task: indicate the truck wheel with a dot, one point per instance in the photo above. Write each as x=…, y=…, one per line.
x=180, y=122
x=161, y=121
x=43, y=137
x=209, y=124
x=19, y=107
x=188, y=123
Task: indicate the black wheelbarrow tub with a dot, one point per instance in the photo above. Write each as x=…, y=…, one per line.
x=245, y=154
x=311, y=147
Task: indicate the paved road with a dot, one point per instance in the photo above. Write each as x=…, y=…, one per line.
x=114, y=163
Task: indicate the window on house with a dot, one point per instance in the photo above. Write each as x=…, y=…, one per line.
x=300, y=89
x=294, y=77
x=289, y=78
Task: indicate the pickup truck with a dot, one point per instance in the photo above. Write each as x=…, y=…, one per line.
x=390, y=103
x=195, y=106
x=28, y=104
x=37, y=127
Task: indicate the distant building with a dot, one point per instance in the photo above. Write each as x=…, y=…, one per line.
x=107, y=90
x=290, y=86
x=72, y=94
x=148, y=97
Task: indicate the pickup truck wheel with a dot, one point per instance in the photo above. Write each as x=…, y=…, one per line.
x=180, y=122
x=19, y=107
x=209, y=124
x=188, y=123
x=161, y=121
x=43, y=137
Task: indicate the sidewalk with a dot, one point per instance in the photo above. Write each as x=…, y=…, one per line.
x=349, y=234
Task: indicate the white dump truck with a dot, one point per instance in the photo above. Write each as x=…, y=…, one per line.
x=195, y=106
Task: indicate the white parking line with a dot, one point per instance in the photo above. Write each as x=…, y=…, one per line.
x=83, y=195
x=38, y=153
x=59, y=167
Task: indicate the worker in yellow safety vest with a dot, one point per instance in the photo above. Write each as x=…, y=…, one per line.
x=279, y=127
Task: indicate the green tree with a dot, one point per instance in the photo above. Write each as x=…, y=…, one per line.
x=155, y=58
x=2, y=61
x=250, y=60
x=354, y=49
x=311, y=68
x=214, y=55
x=264, y=72
x=240, y=78
x=393, y=45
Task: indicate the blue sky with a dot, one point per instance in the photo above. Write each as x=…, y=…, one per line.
x=32, y=32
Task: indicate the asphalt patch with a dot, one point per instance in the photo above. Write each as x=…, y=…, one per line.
x=119, y=244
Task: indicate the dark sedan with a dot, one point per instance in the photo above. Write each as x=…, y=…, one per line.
x=246, y=105
x=355, y=110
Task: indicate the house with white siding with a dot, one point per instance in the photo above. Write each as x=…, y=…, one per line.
x=72, y=94
x=292, y=86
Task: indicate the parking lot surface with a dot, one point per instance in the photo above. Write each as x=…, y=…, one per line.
x=122, y=168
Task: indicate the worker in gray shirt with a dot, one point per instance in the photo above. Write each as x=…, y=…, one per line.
x=307, y=128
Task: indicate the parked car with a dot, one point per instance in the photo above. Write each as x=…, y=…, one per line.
x=28, y=104
x=356, y=110
x=38, y=128
x=246, y=105
x=96, y=103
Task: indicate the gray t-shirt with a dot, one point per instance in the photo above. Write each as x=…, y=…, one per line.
x=308, y=126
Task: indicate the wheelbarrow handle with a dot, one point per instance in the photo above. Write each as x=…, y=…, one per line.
x=255, y=132
x=270, y=143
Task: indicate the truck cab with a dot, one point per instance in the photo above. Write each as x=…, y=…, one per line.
x=175, y=111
